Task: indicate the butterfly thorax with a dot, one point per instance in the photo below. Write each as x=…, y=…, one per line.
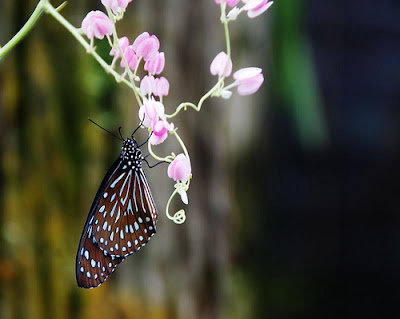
x=131, y=154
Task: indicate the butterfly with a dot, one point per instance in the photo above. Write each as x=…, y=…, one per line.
x=121, y=220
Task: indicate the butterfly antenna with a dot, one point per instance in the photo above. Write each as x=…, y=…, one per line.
x=120, y=133
x=147, y=139
x=140, y=124
x=104, y=129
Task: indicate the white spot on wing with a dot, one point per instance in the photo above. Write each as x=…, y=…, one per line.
x=119, y=214
x=117, y=180
x=113, y=209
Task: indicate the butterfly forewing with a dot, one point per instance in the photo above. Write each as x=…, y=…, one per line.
x=126, y=214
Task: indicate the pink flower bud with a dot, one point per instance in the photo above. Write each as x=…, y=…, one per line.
x=161, y=87
x=248, y=80
x=96, y=25
x=130, y=57
x=230, y=3
x=160, y=132
x=146, y=46
x=123, y=43
x=140, y=38
x=150, y=112
x=156, y=64
x=180, y=168
x=221, y=65
x=147, y=85
x=256, y=7
x=117, y=6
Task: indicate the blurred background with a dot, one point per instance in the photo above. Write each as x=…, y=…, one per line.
x=294, y=205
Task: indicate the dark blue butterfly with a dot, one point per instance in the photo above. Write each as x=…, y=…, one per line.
x=121, y=220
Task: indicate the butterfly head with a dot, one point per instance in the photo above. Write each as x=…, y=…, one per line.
x=131, y=153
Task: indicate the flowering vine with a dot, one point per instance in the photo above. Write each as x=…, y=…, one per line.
x=138, y=64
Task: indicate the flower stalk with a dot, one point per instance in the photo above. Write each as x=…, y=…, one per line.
x=36, y=14
x=146, y=49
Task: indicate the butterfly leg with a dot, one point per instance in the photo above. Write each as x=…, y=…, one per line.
x=151, y=166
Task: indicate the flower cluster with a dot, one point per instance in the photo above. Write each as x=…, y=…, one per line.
x=150, y=87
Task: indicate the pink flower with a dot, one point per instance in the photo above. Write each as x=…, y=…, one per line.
x=221, y=65
x=146, y=46
x=96, y=25
x=256, y=7
x=130, y=57
x=248, y=80
x=139, y=39
x=161, y=87
x=156, y=64
x=117, y=6
x=147, y=85
x=160, y=132
x=150, y=112
x=123, y=43
x=230, y=3
x=180, y=168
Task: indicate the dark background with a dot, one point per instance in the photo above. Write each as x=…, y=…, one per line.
x=294, y=203
x=329, y=235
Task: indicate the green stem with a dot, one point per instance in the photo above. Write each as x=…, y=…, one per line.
x=166, y=159
x=226, y=29
x=181, y=144
x=74, y=31
x=24, y=30
x=228, y=42
x=197, y=107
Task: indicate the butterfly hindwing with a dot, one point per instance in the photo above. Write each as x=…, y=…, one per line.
x=94, y=265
